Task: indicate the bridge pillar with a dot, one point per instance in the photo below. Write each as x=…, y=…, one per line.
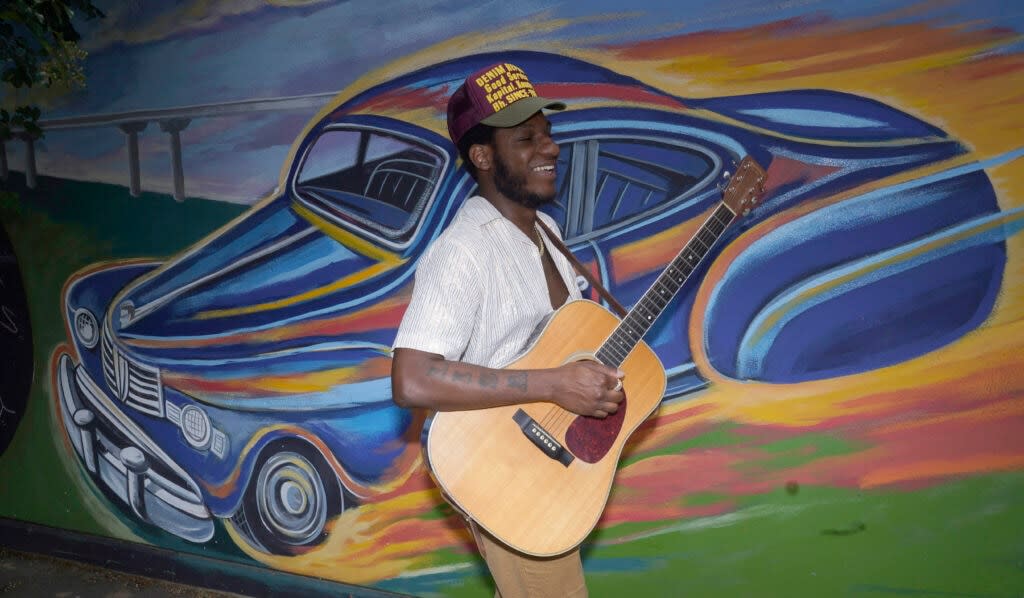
x=132, y=130
x=174, y=127
x=30, y=161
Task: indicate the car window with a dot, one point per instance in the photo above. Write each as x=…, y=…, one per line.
x=633, y=176
x=371, y=180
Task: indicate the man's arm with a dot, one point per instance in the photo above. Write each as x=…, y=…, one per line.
x=421, y=379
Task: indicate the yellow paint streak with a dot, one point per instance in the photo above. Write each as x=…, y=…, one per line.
x=900, y=142
x=858, y=273
x=979, y=364
x=639, y=256
x=378, y=540
x=932, y=72
x=350, y=240
x=347, y=281
x=1008, y=179
x=428, y=118
x=385, y=261
x=305, y=383
x=308, y=382
x=538, y=32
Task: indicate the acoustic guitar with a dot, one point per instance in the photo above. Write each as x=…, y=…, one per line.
x=536, y=476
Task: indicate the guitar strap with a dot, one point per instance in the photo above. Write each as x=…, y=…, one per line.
x=582, y=270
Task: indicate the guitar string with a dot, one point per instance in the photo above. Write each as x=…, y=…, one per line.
x=557, y=417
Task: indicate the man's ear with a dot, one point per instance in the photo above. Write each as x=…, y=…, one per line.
x=481, y=156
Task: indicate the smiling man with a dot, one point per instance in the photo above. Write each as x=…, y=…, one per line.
x=485, y=284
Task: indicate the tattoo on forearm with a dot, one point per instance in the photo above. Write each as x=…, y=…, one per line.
x=488, y=380
x=438, y=370
x=517, y=380
x=513, y=380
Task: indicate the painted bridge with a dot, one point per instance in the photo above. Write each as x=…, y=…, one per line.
x=170, y=120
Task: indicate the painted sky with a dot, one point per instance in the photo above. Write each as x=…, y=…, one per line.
x=165, y=54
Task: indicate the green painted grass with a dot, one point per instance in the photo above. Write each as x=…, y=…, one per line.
x=800, y=450
x=718, y=436
x=57, y=229
x=960, y=538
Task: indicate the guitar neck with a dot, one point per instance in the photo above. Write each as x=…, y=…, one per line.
x=639, y=320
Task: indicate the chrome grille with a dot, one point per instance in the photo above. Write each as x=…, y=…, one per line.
x=134, y=383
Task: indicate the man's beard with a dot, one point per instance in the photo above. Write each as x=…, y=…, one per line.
x=514, y=187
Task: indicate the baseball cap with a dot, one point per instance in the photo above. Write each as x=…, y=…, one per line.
x=499, y=95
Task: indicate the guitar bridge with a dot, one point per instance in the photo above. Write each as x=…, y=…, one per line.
x=541, y=439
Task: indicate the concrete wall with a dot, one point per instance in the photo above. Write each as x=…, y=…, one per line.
x=197, y=360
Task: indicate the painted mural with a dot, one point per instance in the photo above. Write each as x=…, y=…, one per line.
x=241, y=217
x=16, y=348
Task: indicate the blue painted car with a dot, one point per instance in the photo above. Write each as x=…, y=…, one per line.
x=246, y=379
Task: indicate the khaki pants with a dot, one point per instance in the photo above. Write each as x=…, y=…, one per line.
x=517, y=575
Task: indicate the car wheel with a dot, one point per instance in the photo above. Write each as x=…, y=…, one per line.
x=289, y=500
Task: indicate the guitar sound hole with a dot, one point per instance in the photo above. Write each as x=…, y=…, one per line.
x=590, y=438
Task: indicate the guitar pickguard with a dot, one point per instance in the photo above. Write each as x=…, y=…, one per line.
x=542, y=502
x=590, y=438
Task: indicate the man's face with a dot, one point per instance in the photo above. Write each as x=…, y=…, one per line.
x=524, y=162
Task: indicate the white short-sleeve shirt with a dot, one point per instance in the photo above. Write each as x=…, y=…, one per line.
x=480, y=289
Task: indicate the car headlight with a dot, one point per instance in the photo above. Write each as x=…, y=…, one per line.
x=195, y=425
x=87, y=330
x=127, y=313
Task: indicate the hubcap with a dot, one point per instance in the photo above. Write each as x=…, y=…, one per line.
x=291, y=498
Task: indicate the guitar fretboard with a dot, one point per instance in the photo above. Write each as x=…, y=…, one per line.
x=639, y=320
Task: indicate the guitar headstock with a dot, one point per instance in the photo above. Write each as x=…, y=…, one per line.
x=745, y=187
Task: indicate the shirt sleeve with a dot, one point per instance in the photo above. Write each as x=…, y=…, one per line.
x=442, y=313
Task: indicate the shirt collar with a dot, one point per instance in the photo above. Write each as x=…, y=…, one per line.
x=480, y=212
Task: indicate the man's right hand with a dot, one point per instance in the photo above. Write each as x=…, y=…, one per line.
x=587, y=388
x=427, y=380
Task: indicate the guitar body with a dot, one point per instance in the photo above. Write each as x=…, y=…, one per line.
x=492, y=471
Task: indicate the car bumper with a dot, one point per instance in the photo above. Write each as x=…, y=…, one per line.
x=122, y=458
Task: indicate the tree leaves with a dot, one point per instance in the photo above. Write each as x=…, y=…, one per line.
x=38, y=46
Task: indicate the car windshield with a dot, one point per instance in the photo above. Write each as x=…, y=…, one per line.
x=634, y=176
x=374, y=181
x=617, y=180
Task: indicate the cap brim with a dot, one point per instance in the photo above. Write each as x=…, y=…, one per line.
x=519, y=111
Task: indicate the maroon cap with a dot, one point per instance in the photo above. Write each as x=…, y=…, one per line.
x=499, y=95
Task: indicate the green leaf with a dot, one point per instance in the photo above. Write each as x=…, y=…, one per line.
x=38, y=45
x=34, y=130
